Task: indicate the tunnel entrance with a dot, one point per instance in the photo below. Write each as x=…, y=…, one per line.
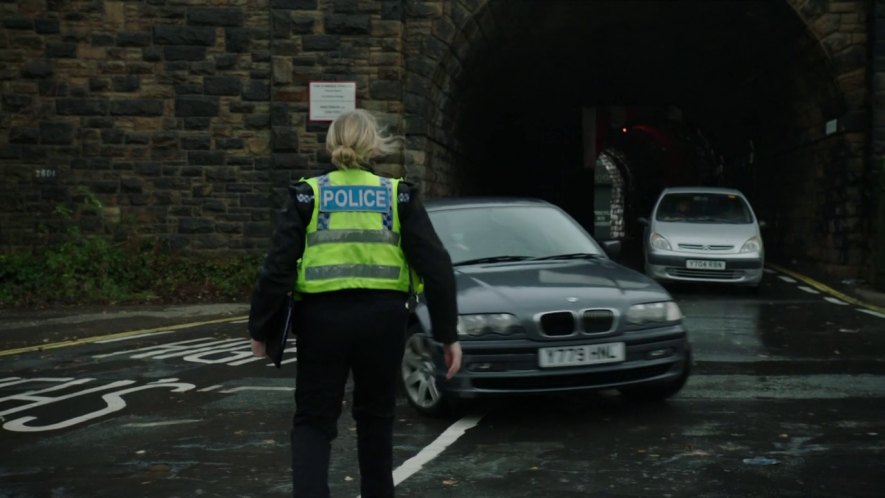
x=668, y=93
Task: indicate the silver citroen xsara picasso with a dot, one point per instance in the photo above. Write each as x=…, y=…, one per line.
x=703, y=234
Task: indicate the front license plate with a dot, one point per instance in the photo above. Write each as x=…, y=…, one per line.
x=570, y=356
x=704, y=264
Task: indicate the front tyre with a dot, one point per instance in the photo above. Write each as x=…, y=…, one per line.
x=418, y=374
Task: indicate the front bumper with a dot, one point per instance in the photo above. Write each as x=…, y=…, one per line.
x=491, y=368
x=739, y=269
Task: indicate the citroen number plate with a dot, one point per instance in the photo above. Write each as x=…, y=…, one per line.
x=570, y=356
x=704, y=264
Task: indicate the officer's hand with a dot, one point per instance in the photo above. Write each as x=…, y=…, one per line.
x=452, y=354
x=259, y=348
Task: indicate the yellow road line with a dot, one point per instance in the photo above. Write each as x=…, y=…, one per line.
x=826, y=289
x=118, y=335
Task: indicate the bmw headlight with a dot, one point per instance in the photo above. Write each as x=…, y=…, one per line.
x=665, y=311
x=657, y=241
x=492, y=323
x=752, y=245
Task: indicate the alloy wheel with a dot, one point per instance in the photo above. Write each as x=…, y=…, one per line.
x=419, y=373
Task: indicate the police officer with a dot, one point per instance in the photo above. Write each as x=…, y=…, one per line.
x=351, y=243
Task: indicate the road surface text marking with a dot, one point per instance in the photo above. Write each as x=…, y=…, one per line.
x=206, y=350
x=49, y=391
x=37, y=398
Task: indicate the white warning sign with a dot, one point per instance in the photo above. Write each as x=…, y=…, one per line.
x=329, y=99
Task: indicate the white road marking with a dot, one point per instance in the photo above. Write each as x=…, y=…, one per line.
x=769, y=271
x=241, y=321
x=809, y=289
x=160, y=348
x=787, y=279
x=835, y=301
x=871, y=312
x=210, y=388
x=134, y=337
x=256, y=388
x=247, y=360
x=164, y=423
x=431, y=451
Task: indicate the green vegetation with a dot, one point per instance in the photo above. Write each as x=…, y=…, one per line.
x=94, y=269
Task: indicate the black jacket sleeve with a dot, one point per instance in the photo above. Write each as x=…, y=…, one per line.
x=277, y=275
x=426, y=254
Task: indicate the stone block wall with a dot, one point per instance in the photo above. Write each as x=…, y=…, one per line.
x=186, y=119
x=818, y=201
x=159, y=109
x=342, y=40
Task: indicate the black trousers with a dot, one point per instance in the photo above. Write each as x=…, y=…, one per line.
x=341, y=333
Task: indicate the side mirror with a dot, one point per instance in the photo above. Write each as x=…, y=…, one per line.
x=612, y=248
x=762, y=224
x=643, y=220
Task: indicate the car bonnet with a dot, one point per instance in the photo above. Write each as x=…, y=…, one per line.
x=526, y=288
x=706, y=233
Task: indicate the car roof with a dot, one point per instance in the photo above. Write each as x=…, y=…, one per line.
x=481, y=202
x=701, y=190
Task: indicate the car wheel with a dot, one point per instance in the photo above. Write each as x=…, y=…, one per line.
x=658, y=392
x=418, y=375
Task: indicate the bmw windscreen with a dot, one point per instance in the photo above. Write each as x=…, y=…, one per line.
x=510, y=233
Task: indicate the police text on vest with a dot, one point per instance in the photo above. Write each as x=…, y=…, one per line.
x=354, y=198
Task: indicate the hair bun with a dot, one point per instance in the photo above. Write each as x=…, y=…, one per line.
x=345, y=156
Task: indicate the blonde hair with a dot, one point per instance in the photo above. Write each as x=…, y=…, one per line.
x=354, y=138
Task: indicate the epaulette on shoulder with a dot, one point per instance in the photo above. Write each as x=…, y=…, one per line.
x=404, y=192
x=302, y=192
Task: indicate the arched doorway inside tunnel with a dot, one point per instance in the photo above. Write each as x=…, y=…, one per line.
x=715, y=102
x=606, y=173
x=651, y=152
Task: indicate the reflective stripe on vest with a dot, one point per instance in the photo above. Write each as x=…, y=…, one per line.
x=338, y=236
x=351, y=271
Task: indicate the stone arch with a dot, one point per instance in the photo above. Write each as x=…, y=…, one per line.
x=815, y=80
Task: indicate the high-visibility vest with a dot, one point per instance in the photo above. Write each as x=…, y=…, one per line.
x=353, y=239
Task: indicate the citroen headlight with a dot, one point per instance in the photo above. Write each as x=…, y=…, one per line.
x=752, y=245
x=493, y=323
x=658, y=241
x=666, y=311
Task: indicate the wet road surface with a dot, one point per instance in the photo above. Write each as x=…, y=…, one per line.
x=786, y=399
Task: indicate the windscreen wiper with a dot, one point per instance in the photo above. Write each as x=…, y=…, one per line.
x=491, y=259
x=574, y=255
